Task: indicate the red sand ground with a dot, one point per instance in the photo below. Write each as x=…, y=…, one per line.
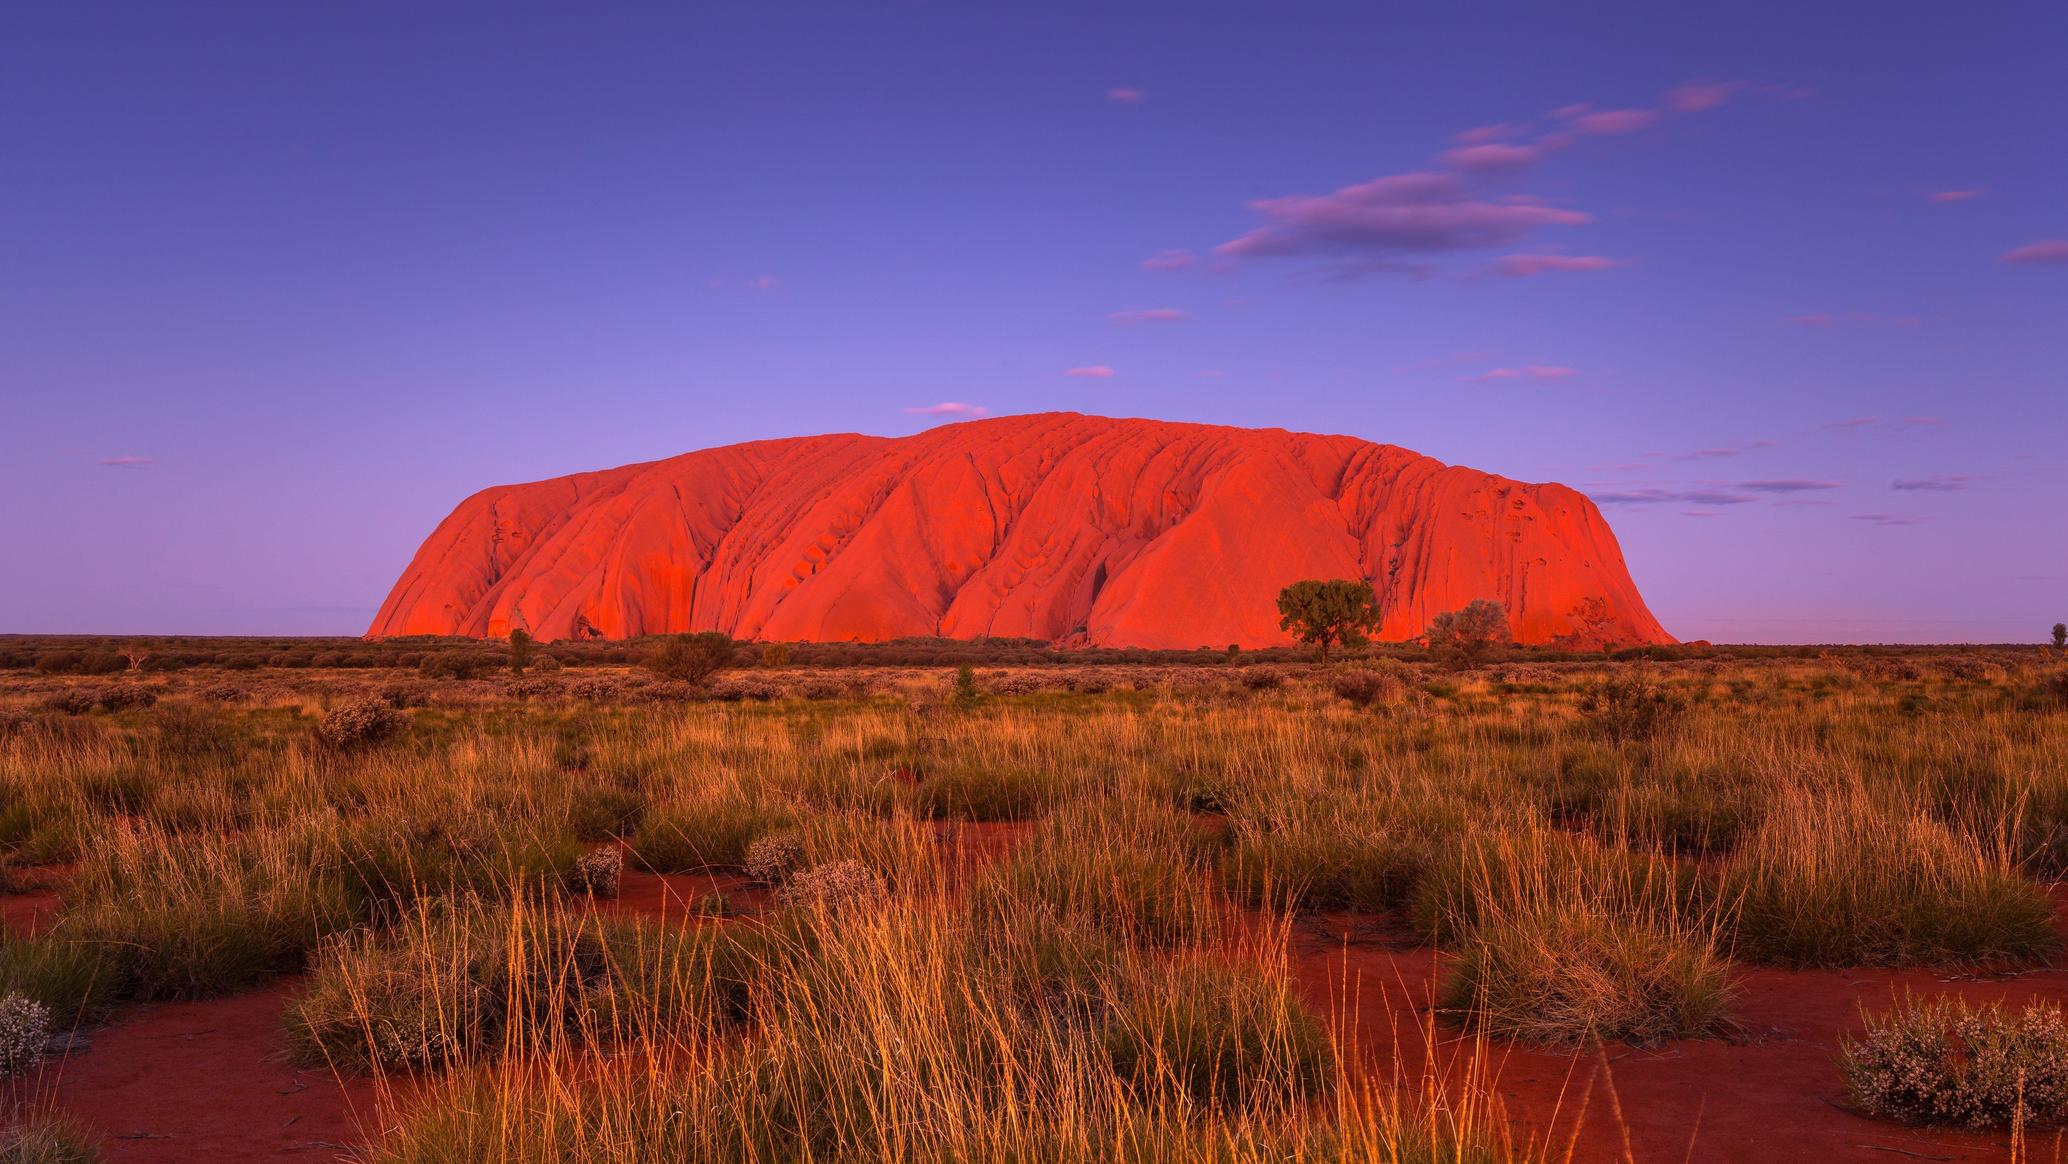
x=209, y=1081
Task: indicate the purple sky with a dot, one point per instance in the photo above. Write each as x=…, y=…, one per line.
x=1784, y=287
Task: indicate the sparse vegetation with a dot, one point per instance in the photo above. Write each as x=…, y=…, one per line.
x=1117, y=888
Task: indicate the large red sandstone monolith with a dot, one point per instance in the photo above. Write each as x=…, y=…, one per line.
x=1121, y=533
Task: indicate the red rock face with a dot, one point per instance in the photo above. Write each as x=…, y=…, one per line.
x=1122, y=533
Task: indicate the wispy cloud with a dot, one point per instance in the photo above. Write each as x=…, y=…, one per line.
x=1789, y=485
x=1481, y=134
x=948, y=408
x=1147, y=315
x=1887, y=518
x=1544, y=372
x=129, y=462
x=1492, y=158
x=1090, y=372
x=1615, y=121
x=1415, y=213
x=1933, y=484
x=1524, y=266
x=1945, y=197
x=1821, y=320
x=1701, y=96
x=2052, y=250
x=1724, y=451
x=1671, y=496
x=1170, y=260
x=1127, y=96
x=1859, y=424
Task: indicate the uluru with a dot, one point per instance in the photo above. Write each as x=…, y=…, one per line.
x=1077, y=529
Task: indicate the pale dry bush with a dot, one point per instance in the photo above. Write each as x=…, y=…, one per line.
x=24, y=1030
x=833, y=886
x=361, y=723
x=600, y=872
x=771, y=859
x=1944, y=1061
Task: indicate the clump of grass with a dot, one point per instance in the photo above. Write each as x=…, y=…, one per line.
x=1836, y=880
x=1323, y=856
x=1494, y=868
x=73, y=979
x=1218, y=1033
x=1944, y=1061
x=708, y=831
x=1562, y=969
x=988, y=791
x=1132, y=869
x=48, y=1137
x=459, y=981
x=172, y=918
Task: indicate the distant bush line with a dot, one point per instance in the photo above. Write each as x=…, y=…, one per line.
x=449, y=657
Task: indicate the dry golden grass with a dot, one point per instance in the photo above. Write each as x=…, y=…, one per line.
x=1078, y=947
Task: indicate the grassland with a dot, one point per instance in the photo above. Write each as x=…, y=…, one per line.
x=1086, y=915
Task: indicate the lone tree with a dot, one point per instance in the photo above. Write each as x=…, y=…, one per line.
x=1322, y=614
x=521, y=647
x=1465, y=637
x=692, y=658
x=2061, y=636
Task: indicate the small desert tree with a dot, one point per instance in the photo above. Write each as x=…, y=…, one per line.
x=692, y=658
x=1465, y=637
x=775, y=655
x=521, y=648
x=1326, y=613
x=2061, y=636
x=136, y=654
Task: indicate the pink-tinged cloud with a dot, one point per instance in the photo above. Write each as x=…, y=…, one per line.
x=1549, y=373
x=1148, y=315
x=1813, y=320
x=1615, y=121
x=1414, y=213
x=1126, y=96
x=948, y=408
x=2052, y=250
x=1932, y=484
x=1887, y=518
x=1480, y=135
x=1524, y=266
x=1090, y=372
x=763, y=282
x=1492, y=158
x=129, y=462
x=1569, y=112
x=1701, y=96
x=1169, y=260
x=1881, y=424
x=1943, y=197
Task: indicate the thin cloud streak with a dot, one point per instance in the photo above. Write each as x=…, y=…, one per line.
x=949, y=408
